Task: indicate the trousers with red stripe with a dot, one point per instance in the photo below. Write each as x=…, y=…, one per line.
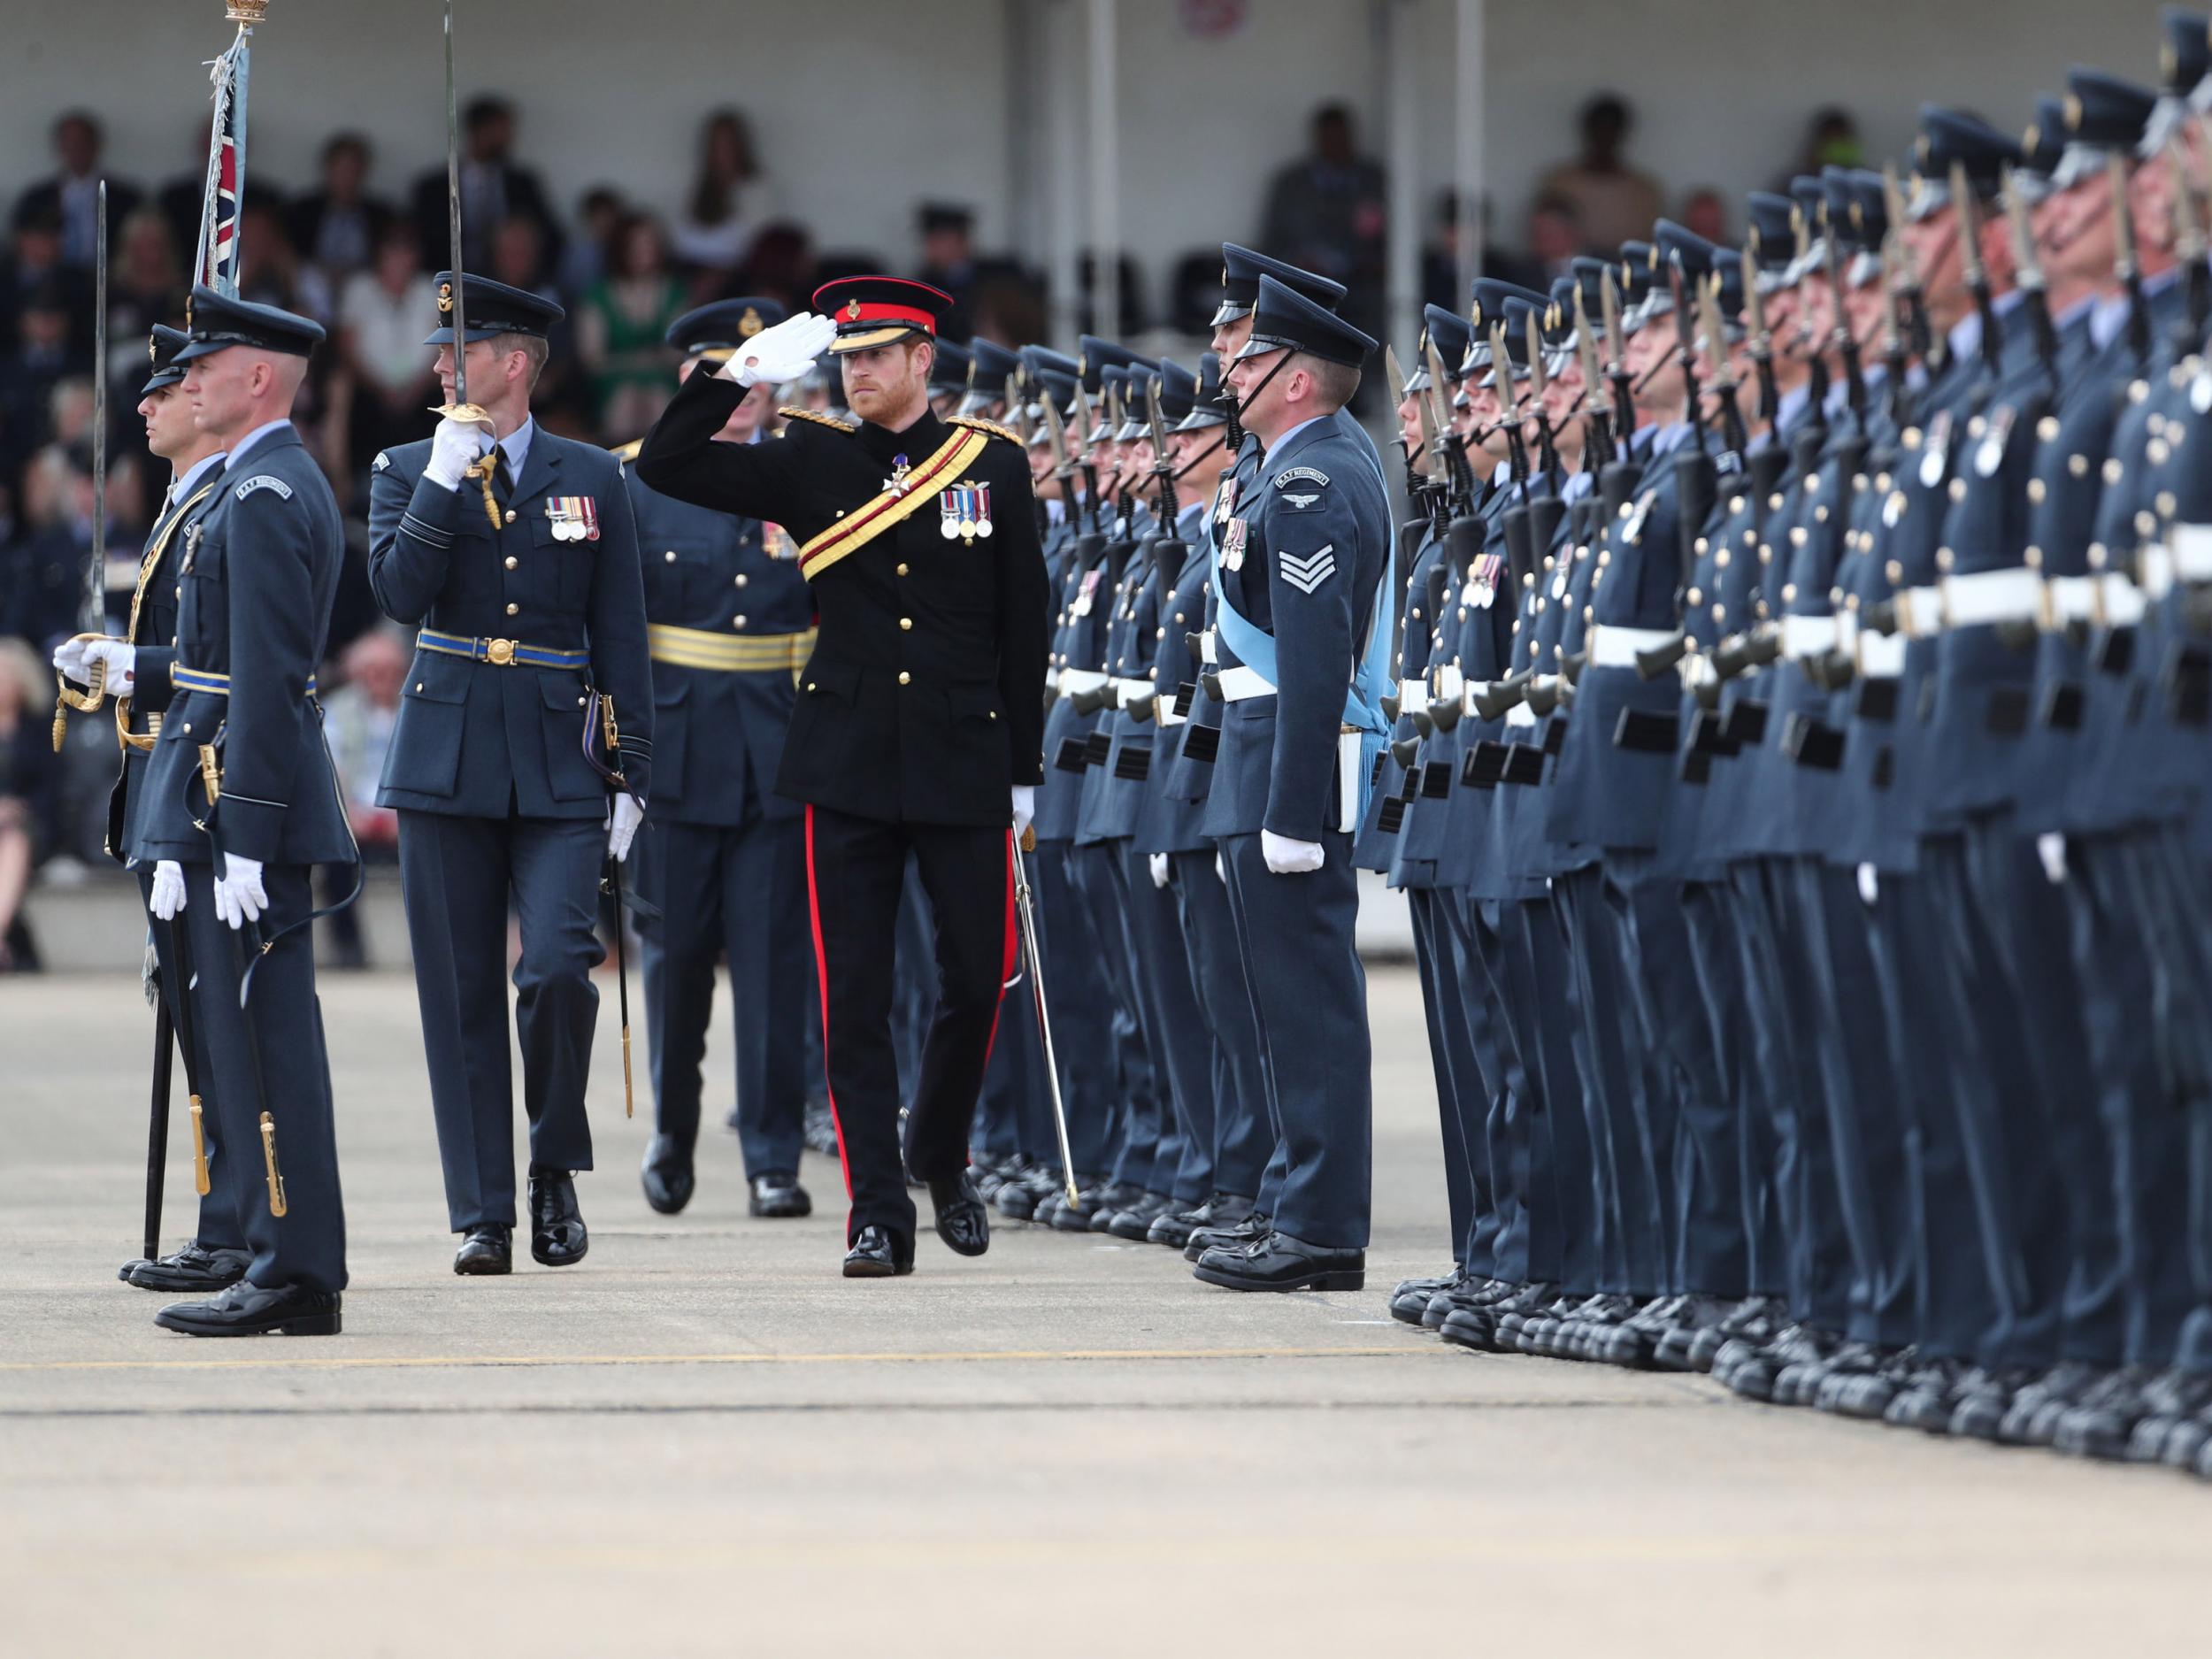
x=856, y=869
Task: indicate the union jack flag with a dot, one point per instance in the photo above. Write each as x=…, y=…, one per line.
x=219, y=236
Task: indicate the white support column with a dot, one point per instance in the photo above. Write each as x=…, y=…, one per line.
x=1402, y=47
x=1468, y=151
x=1105, y=169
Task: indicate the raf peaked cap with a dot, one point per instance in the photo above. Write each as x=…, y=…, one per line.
x=713, y=332
x=162, y=350
x=1241, y=270
x=222, y=320
x=1284, y=319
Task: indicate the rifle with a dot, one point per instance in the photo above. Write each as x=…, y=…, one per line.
x=2030, y=277
x=1459, y=477
x=1760, y=340
x=1596, y=410
x=1968, y=206
x=1844, y=344
x=1546, y=449
x=1726, y=383
x=1162, y=463
x=1616, y=368
x=1685, y=346
x=1413, y=455
x=1893, y=330
x=1911, y=295
x=1509, y=403
x=2126, y=264
x=1079, y=441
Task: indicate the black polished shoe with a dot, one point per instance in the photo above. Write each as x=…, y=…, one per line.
x=667, y=1174
x=192, y=1267
x=821, y=1126
x=486, y=1248
x=557, y=1236
x=1409, y=1297
x=1133, y=1222
x=244, y=1309
x=1112, y=1199
x=1279, y=1262
x=1255, y=1225
x=962, y=1221
x=777, y=1195
x=875, y=1254
x=1019, y=1199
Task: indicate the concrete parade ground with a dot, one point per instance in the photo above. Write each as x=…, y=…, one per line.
x=703, y=1440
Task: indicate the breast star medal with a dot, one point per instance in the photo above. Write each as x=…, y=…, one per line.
x=896, y=482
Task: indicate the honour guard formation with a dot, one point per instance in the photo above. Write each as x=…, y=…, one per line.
x=1778, y=678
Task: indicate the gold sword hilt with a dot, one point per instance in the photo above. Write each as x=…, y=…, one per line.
x=211, y=773
x=277, y=1206
x=483, y=467
x=66, y=696
x=200, y=1183
x=629, y=1099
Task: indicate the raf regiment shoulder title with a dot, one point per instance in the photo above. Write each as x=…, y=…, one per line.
x=792, y=411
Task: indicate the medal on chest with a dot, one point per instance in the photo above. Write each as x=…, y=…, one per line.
x=1083, y=600
x=776, y=541
x=1482, y=581
x=896, y=482
x=575, y=518
x=191, y=547
x=1234, y=536
x=1225, y=500
x=964, y=511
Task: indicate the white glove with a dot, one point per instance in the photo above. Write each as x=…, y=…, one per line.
x=122, y=660
x=168, y=897
x=783, y=353
x=1288, y=857
x=1157, y=865
x=1024, y=808
x=622, y=821
x=239, y=898
x=455, y=447
x=69, y=661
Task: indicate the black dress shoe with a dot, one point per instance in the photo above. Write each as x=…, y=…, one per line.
x=1409, y=1297
x=1279, y=1262
x=557, y=1236
x=667, y=1174
x=1133, y=1222
x=777, y=1195
x=486, y=1248
x=244, y=1309
x=1255, y=1225
x=875, y=1254
x=192, y=1267
x=962, y=1221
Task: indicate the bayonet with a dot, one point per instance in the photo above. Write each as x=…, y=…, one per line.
x=1443, y=444
x=1162, y=463
x=1725, y=381
x=1079, y=444
x=1759, y=340
x=1843, y=341
x=1624, y=400
x=1509, y=401
x=1909, y=287
x=2029, y=275
x=2189, y=245
x=1547, y=453
x=1968, y=208
x=1597, y=410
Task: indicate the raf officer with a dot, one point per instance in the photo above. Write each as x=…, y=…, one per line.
x=918, y=728
x=239, y=802
x=216, y=1255
x=1301, y=647
x=515, y=552
x=729, y=624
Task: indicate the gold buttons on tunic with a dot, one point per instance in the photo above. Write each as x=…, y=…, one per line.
x=418, y=685
x=905, y=678
x=737, y=622
x=513, y=563
x=513, y=608
x=902, y=572
x=741, y=578
x=510, y=515
x=670, y=556
x=906, y=625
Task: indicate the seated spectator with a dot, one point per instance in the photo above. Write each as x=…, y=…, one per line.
x=73, y=192
x=1441, y=274
x=29, y=775
x=1831, y=140
x=619, y=329
x=34, y=265
x=338, y=227
x=381, y=330
x=493, y=190
x=1612, y=201
x=1705, y=212
x=271, y=269
x=729, y=199
x=42, y=575
x=1555, y=237
x=562, y=398
x=358, y=718
x=1325, y=211
x=31, y=365
x=146, y=286
x=599, y=217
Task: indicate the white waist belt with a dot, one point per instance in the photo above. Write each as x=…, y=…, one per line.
x=1617, y=648
x=1804, y=637
x=1919, y=611
x=2192, y=545
x=1207, y=654
x=1993, y=596
x=1075, y=681
x=1242, y=685
x=1520, y=714
x=1881, y=655
x=1165, y=712
x=1129, y=692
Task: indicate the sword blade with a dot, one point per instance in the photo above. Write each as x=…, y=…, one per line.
x=453, y=218
x=94, y=610
x=1026, y=909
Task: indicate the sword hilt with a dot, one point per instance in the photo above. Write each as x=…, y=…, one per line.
x=277, y=1205
x=200, y=1183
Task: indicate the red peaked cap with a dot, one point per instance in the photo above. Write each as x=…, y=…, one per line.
x=874, y=310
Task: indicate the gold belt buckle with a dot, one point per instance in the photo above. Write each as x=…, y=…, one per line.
x=499, y=651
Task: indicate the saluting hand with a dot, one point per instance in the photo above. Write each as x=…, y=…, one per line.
x=783, y=353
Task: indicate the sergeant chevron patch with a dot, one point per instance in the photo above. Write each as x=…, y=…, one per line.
x=1307, y=574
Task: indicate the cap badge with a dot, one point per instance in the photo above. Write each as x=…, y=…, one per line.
x=749, y=324
x=852, y=310
x=445, y=299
